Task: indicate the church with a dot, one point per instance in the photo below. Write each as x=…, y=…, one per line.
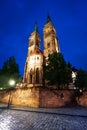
x=31, y=92
x=33, y=71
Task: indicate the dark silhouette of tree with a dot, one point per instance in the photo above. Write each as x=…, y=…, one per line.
x=9, y=71
x=10, y=66
x=57, y=71
x=81, y=79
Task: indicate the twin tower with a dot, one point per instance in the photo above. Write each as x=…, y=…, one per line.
x=33, y=72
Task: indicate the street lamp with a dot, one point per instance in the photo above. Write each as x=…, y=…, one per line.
x=11, y=83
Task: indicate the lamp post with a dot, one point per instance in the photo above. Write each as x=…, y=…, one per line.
x=11, y=83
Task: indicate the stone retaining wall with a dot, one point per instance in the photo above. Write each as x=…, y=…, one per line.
x=21, y=97
x=41, y=97
x=55, y=98
x=82, y=100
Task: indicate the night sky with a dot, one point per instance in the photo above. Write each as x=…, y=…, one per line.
x=17, y=19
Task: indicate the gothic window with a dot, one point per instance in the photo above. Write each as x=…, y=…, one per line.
x=47, y=34
x=37, y=75
x=52, y=31
x=37, y=43
x=48, y=45
x=37, y=58
x=31, y=76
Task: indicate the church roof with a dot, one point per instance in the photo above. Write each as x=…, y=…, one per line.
x=37, y=51
x=36, y=27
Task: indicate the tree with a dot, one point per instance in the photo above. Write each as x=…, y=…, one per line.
x=57, y=72
x=81, y=79
x=10, y=66
x=9, y=71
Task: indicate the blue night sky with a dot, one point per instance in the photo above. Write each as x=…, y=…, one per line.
x=17, y=19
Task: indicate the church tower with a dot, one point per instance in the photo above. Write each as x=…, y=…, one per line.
x=51, y=44
x=34, y=40
x=33, y=71
x=33, y=74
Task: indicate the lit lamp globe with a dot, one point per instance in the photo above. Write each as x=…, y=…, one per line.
x=11, y=82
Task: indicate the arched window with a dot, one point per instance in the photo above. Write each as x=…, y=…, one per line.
x=48, y=45
x=31, y=76
x=37, y=58
x=37, y=75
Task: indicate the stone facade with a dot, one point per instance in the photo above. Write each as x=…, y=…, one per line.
x=50, y=39
x=33, y=72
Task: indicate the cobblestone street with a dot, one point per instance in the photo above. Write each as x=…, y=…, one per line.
x=25, y=120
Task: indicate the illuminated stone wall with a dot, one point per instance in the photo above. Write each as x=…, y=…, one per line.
x=37, y=97
x=26, y=97
x=4, y=96
x=21, y=97
x=42, y=97
x=82, y=100
x=55, y=98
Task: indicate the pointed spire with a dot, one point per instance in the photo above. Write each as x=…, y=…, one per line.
x=36, y=27
x=48, y=19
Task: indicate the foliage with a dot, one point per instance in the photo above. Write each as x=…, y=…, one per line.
x=10, y=66
x=9, y=71
x=81, y=79
x=57, y=71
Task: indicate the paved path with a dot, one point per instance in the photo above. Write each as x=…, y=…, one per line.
x=75, y=111
x=43, y=119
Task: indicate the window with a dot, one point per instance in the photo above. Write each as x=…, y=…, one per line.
x=48, y=45
x=31, y=76
x=37, y=58
x=37, y=75
x=37, y=43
